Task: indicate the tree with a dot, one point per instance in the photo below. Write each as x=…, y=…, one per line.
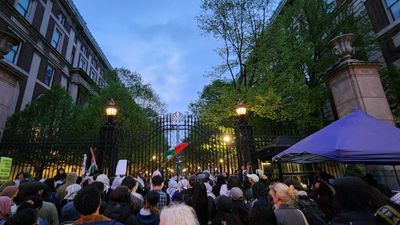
x=141, y=92
x=239, y=24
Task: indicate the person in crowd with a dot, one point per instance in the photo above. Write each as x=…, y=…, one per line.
x=224, y=214
x=172, y=188
x=178, y=214
x=72, y=190
x=284, y=198
x=262, y=214
x=248, y=185
x=5, y=208
x=100, y=187
x=10, y=191
x=182, y=185
x=353, y=196
x=106, y=182
x=389, y=214
x=87, y=202
x=50, y=191
x=86, y=181
x=27, y=216
x=35, y=202
x=307, y=205
x=263, y=178
x=117, y=181
x=19, y=177
x=259, y=192
x=48, y=210
x=325, y=198
x=61, y=191
x=149, y=214
x=196, y=197
x=239, y=206
x=6, y=184
x=211, y=200
x=157, y=183
x=232, y=181
x=60, y=176
x=217, y=186
x=136, y=198
x=119, y=207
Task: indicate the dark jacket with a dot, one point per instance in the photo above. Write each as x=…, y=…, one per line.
x=241, y=211
x=122, y=212
x=148, y=219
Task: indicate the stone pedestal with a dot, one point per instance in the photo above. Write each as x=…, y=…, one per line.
x=356, y=85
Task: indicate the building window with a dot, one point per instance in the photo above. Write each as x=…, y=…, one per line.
x=394, y=8
x=55, y=41
x=93, y=74
x=82, y=63
x=23, y=6
x=48, y=78
x=12, y=54
x=71, y=59
x=61, y=19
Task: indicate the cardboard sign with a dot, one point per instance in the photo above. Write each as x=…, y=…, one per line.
x=121, y=167
x=5, y=167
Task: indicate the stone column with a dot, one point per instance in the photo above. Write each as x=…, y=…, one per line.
x=356, y=84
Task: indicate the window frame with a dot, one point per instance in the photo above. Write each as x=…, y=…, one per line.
x=46, y=75
x=60, y=38
x=19, y=6
x=16, y=55
x=81, y=59
x=389, y=12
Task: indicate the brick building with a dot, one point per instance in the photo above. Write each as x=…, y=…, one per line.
x=55, y=47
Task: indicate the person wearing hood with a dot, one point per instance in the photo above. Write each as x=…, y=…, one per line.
x=224, y=214
x=60, y=176
x=149, y=214
x=182, y=185
x=107, y=190
x=61, y=191
x=66, y=207
x=220, y=181
x=172, y=187
x=5, y=208
x=119, y=207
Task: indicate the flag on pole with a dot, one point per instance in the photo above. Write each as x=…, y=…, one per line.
x=172, y=152
x=93, y=165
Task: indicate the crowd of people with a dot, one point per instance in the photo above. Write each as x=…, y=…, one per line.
x=247, y=197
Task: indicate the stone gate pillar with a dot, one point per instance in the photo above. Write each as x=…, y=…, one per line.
x=356, y=84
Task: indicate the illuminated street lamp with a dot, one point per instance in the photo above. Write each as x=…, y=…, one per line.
x=111, y=109
x=241, y=109
x=227, y=138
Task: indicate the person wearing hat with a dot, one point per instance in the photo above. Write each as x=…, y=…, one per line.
x=239, y=205
x=252, y=179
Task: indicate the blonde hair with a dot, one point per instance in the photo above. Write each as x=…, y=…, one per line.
x=178, y=214
x=287, y=194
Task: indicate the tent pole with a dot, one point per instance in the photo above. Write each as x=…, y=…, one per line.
x=397, y=177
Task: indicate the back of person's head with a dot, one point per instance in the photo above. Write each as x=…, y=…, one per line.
x=259, y=191
x=220, y=179
x=352, y=193
x=295, y=182
x=72, y=190
x=98, y=185
x=32, y=188
x=129, y=181
x=157, y=180
x=178, y=214
x=152, y=198
x=233, y=181
x=193, y=180
x=224, y=204
x=87, y=201
x=120, y=194
x=27, y=216
x=32, y=201
x=285, y=194
x=71, y=178
x=10, y=191
x=262, y=214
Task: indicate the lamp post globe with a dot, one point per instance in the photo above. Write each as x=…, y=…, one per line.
x=227, y=139
x=111, y=109
x=241, y=109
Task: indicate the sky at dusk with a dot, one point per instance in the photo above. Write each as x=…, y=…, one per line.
x=158, y=39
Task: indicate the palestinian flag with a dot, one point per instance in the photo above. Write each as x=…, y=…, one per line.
x=93, y=165
x=172, y=152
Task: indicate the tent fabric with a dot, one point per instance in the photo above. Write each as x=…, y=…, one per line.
x=356, y=138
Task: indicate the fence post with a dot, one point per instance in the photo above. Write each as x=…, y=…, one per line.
x=108, y=147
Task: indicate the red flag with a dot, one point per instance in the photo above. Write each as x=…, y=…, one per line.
x=180, y=147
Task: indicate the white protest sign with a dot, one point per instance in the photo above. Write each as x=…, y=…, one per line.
x=121, y=167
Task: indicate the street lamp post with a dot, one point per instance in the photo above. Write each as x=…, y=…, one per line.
x=108, y=141
x=245, y=145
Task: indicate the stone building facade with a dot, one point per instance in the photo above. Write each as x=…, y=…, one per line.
x=55, y=47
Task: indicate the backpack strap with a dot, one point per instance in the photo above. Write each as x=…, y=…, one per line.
x=389, y=214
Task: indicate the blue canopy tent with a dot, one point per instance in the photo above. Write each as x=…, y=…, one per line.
x=356, y=138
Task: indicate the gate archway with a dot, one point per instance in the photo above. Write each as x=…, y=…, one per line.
x=207, y=149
